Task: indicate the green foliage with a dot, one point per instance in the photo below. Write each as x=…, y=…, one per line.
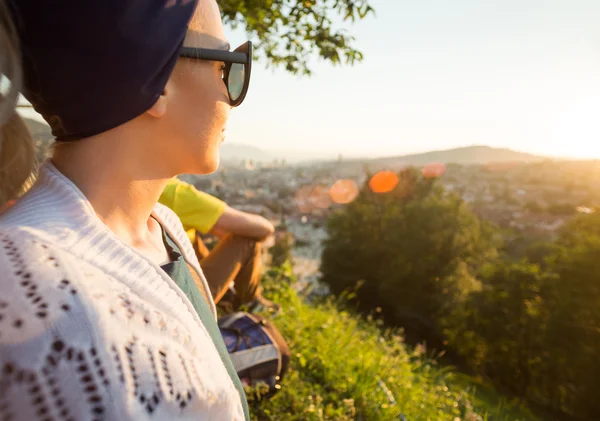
x=574, y=324
x=538, y=251
x=344, y=368
x=281, y=251
x=500, y=328
x=535, y=328
x=289, y=32
x=415, y=250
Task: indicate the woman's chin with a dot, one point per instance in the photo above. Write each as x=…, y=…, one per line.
x=209, y=166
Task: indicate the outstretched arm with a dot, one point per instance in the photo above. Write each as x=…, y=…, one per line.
x=243, y=224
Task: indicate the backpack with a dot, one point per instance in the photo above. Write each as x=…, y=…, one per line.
x=258, y=351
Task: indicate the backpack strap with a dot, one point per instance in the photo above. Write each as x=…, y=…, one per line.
x=229, y=320
x=248, y=358
x=199, y=283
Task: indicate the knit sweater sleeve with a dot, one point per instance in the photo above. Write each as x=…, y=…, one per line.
x=75, y=344
x=50, y=363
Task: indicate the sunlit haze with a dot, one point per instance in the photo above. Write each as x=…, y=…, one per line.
x=437, y=75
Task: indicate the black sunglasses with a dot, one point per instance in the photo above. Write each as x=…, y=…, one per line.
x=238, y=65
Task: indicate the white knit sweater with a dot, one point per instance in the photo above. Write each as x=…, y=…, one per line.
x=90, y=329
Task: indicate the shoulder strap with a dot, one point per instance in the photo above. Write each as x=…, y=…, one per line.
x=198, y=282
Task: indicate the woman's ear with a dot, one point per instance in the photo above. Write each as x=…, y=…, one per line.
x=159, y=108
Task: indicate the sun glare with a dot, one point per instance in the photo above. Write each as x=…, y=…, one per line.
x=576, y=133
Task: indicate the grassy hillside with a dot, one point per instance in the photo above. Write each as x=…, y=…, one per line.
x=344, y=368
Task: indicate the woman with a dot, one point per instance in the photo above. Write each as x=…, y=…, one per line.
x=100, y=312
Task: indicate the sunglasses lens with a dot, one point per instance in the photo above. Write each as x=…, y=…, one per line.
x=235, y=82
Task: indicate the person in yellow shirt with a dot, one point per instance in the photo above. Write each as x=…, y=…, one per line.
x=233, y=267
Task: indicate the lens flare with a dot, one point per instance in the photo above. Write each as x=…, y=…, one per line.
x=319, y=197
x=343, y=191
x=433, y=170
x=302, y=199
x=383, y=182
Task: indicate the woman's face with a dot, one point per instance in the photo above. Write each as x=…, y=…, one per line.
x=197, y=99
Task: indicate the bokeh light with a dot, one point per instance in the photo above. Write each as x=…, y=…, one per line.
x=312, y=197
x=433, y=170
x=343, y=191
x=383, y=182
x=302, y=199
x=319, y=197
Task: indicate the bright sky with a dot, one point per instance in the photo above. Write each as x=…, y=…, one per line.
x=437, y=74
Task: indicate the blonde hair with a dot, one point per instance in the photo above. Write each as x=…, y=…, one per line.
x=17, y=152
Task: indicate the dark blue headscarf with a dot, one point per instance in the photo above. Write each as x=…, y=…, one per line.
x=92, y=65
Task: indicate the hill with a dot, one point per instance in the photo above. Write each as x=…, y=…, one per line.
x=466, y=155
x=469, y=155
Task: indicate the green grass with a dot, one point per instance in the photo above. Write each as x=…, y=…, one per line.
x=345, y=368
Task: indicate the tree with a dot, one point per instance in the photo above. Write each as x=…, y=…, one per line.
x=289, y=32
x=500, y=330
x=414, y=249
x=535, y=328
x=574, y=328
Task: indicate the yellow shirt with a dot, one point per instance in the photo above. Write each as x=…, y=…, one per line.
x=196, y=210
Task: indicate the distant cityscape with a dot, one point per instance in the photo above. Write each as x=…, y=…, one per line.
x=532, y=199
